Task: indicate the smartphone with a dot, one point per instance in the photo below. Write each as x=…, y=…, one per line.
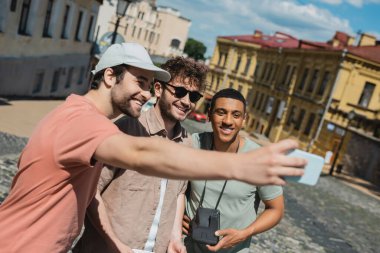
x=313, y=168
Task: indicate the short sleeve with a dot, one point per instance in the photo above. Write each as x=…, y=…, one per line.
x=269, y=192
x=183, y=187
x=78, y=137
x=106, y=176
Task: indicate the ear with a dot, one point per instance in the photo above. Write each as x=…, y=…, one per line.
x=158, y=89
x=109, y=78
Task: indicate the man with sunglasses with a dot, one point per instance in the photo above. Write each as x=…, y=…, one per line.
x=138, y=211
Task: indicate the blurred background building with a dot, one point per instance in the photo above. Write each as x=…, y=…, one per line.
x=161, y=30
x=45, y=46
x=325, y=94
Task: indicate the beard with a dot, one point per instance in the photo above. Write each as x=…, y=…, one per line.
x=123, y=105
x=165, y=111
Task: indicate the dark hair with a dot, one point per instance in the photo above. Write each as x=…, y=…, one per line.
x=182, y=68
x=227, y=93
x=118, y=71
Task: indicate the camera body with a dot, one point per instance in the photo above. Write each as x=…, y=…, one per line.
x=204, y=225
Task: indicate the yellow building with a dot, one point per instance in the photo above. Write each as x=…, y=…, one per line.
x=306, y=90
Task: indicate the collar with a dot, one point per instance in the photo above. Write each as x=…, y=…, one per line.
x=156, y=126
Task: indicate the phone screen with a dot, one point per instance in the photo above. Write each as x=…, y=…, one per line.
x=313, y=168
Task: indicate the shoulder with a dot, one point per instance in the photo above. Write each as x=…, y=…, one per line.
x=249, y=145
x=202, y=140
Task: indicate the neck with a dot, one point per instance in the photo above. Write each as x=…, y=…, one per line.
x=168, y=124
x=102, y=103
x=230, y=147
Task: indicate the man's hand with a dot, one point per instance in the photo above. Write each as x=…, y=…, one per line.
x=185, y=224
x=267, y=165
x=231, y=237
x=176, y=247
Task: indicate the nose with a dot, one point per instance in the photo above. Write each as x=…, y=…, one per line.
x=186, y=100
x=227, y=119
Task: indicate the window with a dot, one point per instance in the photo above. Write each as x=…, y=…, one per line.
x=64, y=33
x=133, y=31
x=13, y=5
x=262, y=108
x=231, y=84
x=257, y=69
x=225, y=59
x=220, y=58
x=22, y=28
x=260, y=100
x=46, y=32
x=238, y=63
x=240, y=88
x=291, y=116
x=268, y=74
x=269, y=106
x=146, y=34
x=303, y=80
x=175, y=43
x=366, y=95
x=158, y=38
x=89, y=29
x=290, y=76
x=286, y=74
x=81, y=76
x=313, y=81
x=247, y=65
x=139, y=33
x=300, y=119
x=309, y=124
x=280, y=109
x=126, y=29
x=264, y=71
x=69, y=77
x=151, y=37
x=254, y=103
x=322, y=87
x=55, y=82
x=38, y=82
x=78, y=30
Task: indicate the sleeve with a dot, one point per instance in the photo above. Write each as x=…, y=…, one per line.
x=183, y=187
x=269, y=192
x=79, y=136
x=106, y=176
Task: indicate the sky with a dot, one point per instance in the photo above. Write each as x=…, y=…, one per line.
x=305, y=19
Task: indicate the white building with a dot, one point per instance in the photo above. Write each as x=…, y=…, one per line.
x=45, y=46
x=161, y=30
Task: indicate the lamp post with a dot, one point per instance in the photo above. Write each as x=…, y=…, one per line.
x=122, y=6
x=350, y=116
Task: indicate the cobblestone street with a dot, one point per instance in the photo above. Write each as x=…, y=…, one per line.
x=330, y=217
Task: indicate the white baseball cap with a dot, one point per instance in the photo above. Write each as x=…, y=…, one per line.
x=131, y=54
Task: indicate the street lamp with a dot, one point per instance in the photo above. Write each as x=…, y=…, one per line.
x=350, y=116
x=122, y=6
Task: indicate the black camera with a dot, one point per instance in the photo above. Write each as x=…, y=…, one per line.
x=204, y=225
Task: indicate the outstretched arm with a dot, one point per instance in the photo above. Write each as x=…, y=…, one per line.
x=270, y=217
x=159, y=157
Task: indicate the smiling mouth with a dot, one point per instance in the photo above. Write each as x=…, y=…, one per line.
x=226, y=130
x=184, y=110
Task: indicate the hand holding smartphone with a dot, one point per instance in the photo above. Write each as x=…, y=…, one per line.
x=313, y=168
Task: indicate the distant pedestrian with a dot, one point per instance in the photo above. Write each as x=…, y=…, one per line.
x=56, y=181
x=238, y=201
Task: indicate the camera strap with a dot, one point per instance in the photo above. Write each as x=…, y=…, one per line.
x=224, y=185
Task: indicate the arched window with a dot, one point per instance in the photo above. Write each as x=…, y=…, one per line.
x=175, y=43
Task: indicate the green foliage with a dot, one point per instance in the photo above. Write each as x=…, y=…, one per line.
x=195, y=49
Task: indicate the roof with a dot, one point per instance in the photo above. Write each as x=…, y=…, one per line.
x=283, y=40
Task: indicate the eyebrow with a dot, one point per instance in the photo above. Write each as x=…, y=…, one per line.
x=143, y=78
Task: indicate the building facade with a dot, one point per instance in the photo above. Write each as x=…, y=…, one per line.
x=45, y=46
x=161, y=30
x=306, y=90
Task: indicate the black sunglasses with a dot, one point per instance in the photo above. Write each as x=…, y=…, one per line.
x=180, y=92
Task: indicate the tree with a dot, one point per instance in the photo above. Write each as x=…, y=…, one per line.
x=195, y=49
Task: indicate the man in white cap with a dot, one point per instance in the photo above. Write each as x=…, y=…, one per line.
x=57, y=179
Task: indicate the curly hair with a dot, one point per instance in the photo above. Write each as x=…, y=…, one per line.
x=187, y=69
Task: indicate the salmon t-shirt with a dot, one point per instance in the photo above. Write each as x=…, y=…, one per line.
x=56, y=180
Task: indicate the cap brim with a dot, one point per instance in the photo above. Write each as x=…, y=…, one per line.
x=159, y=73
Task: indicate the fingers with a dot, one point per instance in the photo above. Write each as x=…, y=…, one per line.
x=283, y=146
x=185, y=224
